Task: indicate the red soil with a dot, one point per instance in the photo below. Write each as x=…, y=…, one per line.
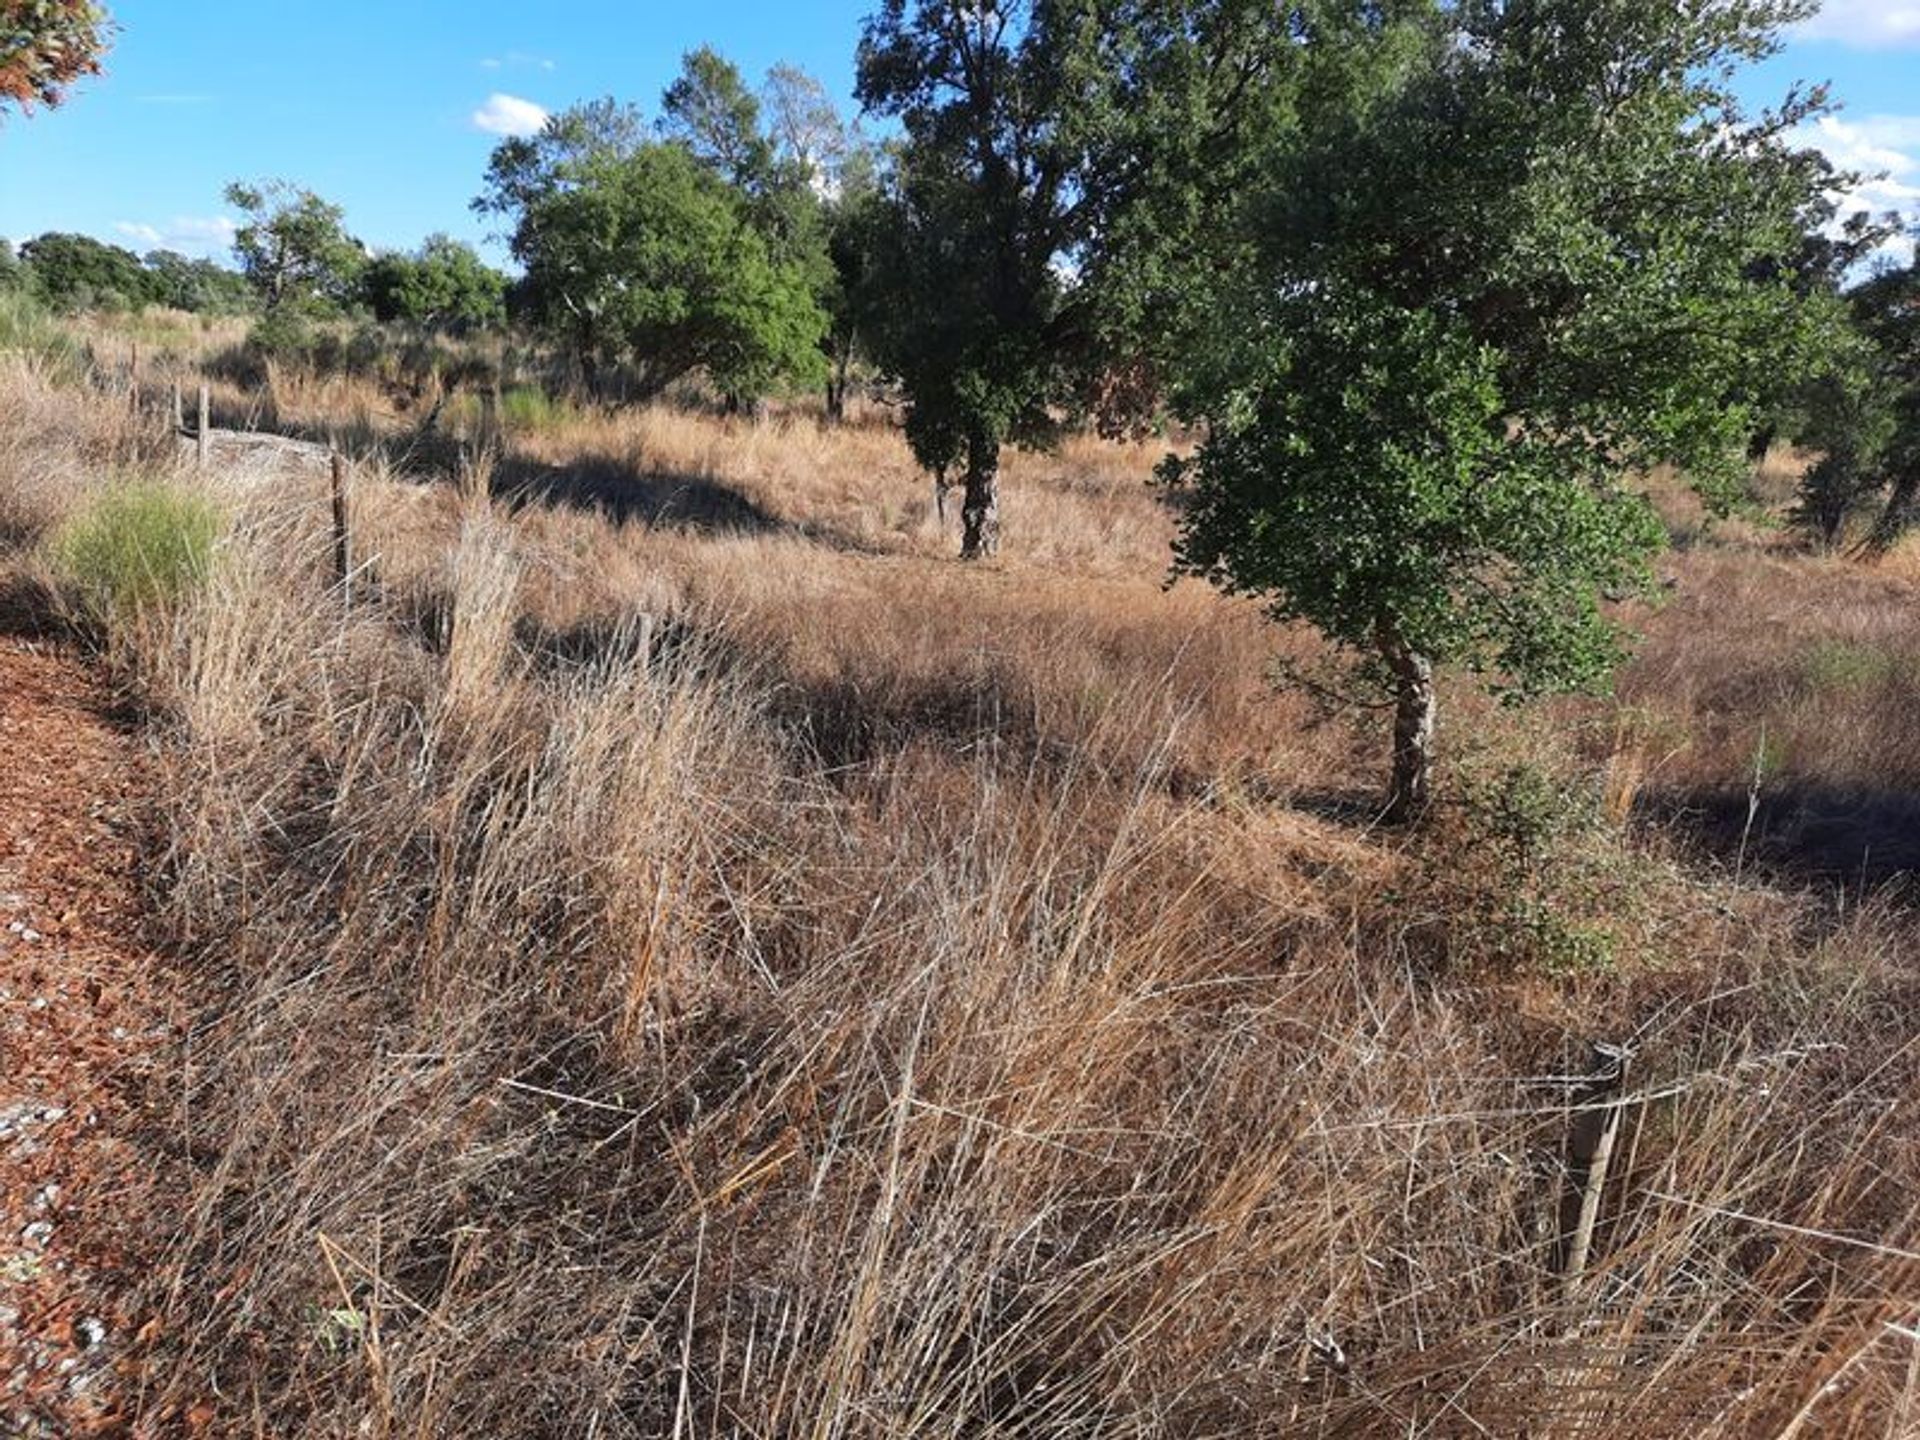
x=86, y=1014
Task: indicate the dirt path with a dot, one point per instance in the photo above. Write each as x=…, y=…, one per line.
x=83, y=1015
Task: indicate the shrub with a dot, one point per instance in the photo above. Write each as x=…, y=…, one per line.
x=1841, y=665
x=528, y=407
x=285, y=337
x=139, y=545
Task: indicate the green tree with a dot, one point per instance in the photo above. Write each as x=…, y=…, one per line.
x=1058, y=199
x=1863, y=414
x=972, y=272
x=525, y=170
x=199, y=286
x=294, y=249
x=640, y=254
x=1473, y=310
x=1199, y=98
x=12, y=273
x=709, y=110
x=77, y=272
x=443, y=286
x=46, y=45
x=857, y=218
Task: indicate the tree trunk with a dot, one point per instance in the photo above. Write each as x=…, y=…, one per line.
x=980, y=505
x=1898, y=515
x=1413, y=710
x=837, y=389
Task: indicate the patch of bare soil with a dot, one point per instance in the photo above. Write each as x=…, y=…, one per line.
x=86, y=1015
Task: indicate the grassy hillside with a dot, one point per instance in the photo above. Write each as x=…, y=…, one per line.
x=681, y=955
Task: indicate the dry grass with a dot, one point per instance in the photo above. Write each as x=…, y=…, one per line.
x=685, y=958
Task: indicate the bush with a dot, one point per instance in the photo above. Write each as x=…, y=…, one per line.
x=284, y=337
x=528, y=407
x=139, y=545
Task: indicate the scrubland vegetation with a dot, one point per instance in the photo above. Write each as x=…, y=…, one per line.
x=716, y=965
x=673, y=952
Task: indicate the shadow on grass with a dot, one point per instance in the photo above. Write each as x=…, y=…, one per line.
x=1800, y=833
x=29, y=610
x=617, y=490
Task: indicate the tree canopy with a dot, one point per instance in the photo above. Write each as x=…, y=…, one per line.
x=1866, y=416
x=1532, y=267
x=443, y=286
x=294, y=249
x=77, y=272
x=46, y=45
x=636, y=252
x=197, y=285
x=983, y=216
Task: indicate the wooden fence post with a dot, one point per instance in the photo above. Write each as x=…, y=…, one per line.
x=1598, y=1110
x=203, y=442
x=342, y=531
x=179, y=412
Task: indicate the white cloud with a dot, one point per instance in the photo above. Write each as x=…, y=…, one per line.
x=509, y=115
x=198, y=235
x=515, y=58
x=1885, y=151
x=1865, y=23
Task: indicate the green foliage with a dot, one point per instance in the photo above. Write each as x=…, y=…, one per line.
x=199, y=286
x=1057, y=207
x=138, y=545
x=529, y=408
x=1546, y=880
x=637, y=253
x=284, y=336
x=1532, y=264
x=73, y=273
x=444, y=287
x=294, y=248
x=965, y=277
x=1841, y=665
x=1199, y=97
x=1864, y=413
x=709, y=111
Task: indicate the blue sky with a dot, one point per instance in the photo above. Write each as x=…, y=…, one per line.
x=391, y=108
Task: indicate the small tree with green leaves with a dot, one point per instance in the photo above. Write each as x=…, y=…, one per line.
x=1864, y=415
x=196, y=285
x=1059, y=199
x=710, y=112
x=444, y=287
x=1473, y=311
x=294, y=249
x=635, y=252
x=984, y=217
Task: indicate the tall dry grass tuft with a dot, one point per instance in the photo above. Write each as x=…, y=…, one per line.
x=734, y=972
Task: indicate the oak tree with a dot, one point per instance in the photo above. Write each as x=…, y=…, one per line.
x=1473, y=310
